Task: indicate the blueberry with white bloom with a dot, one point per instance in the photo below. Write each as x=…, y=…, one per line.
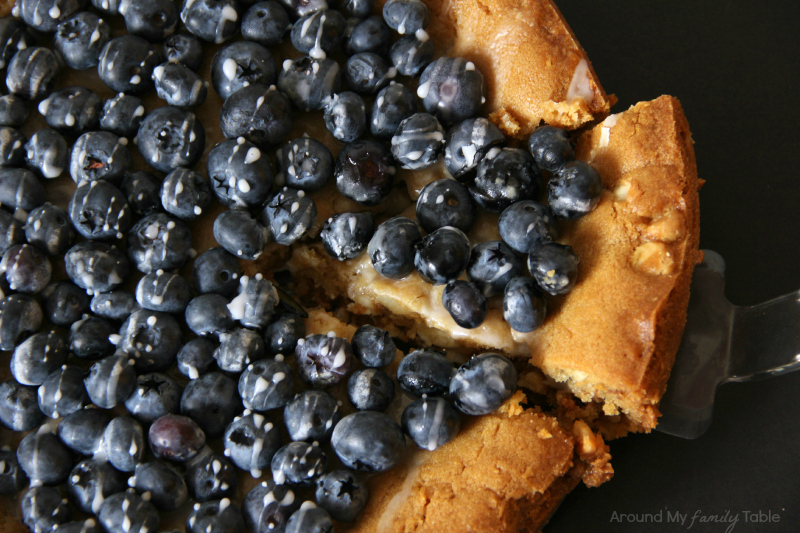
x=418, y=141
x=451, y=89
x=524, y=308
x=492, y=265
x=554, y=267
x=162, y=291
x=170, y=137
x=106, y=392
x=356, y=8
x=283, y=332
x=425, y=372
x=216, y=271
x=185, y=194
x=155, y=395
x=343, y=494
x=45, y=460
x=214, y=21
x=392, y=247
x=365, y=172
x=176, y=438
x=446, y=202
x=27, y=269
x=47, y=153
x=19, y=189
x=163, y=483
x=466, y=303
x=82, y=431
x=289, y=215
x=64, y=303
x=12, y=231
x=239, y=65
x=255, y=303
x=406, y=16
x=373, y=346
x=265, y=23
x=47, y=227
x=298, y=463
x=143, y=191
x=178, y=85
x=240, y=174
x=89, y=337
x=72, y=110
x=38, y=356
x=32, y=72
x=319, y=33
x=96, y=266
x=13, y=110
x=527, y=225
x=347, y=235
x=574, y=190
x=260, y=114
x=196, y=357
x=91, y=482
x=392, y=106
x=159, y=242
x=550, y=148
x=345, y=116
x=126, y=64
x=99, y=155
x=482, y=384
x=151, y=338
x=44, y=15
x=215, y=516
x=250, y=442
x=211, y=400
x=309, y=519
x=266, y=384
x=311, y=416
x=442, y=256
x=116, y=305
x=19, y=410
x=155, y=20
x=239, y=233
x=20, y=315
x=368, y=441
x=108, y=7
x=62, y=392
x=14, y=36
x=505, y=176
x=431, y=422
x=237, y=349
x=43, y=508
x=323, y=360
x=368, y=35
x=12, y=478
x=12, y=147
x=128, y=511
x=211, y=476
x=267, y=507
x=309, y=82
x=208, y=314
x=370, y=389
x=305, y=163
x=368, y=73
x=183, y=48
x=99, y=210
x=122, y=115
x=412, y=53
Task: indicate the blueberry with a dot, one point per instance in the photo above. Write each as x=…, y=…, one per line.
x=214, y=21
x=266, y=384
x=178, y=85
x=347, y=235
x=104, y=391
x=12, y=147
x=155, y=395
x=370, y=389
x=19, y=189
x=373, y=346
x=260, y=114
x=82, y=526
x=45, y=460
x=298, y=463
x=32, y=72
x=47, y=153
x=442, y=256
x=392, y=247
x=89, y=337
x=343, y=494
x=368, y=35
x=319, y=33
x=99, y=155
x=267, y=507
x=216, y=271
x=99, y=210
x=492, y=265
x=425, y=372
x=323, y=360
x=37, y=357
x=177, y=438
x=239, y=65
x=62, y=392
x=143, y=191
x=80, y=39
x=526, y=225
x=265, y=23
x=208, y=314
x=155, y=20
x=551, y=148
x=466, y=303
x=151, y=338
x=184, y=49
x=43, y=509
x=254, y=305
x=368, y=73
x=162, y=482
x=368, y=441
x=82, y=431
x=163, y=291
x=20, y=315
x=237, y=349
x=412, y=53
x=211, y=476
x=96, y=266
x=13, y=110
x=48, y=228
x=345, y=116
x=170, y=137
x=309, y=519
x=127, y=511
x=311, y=416
x=215, y=517
x=574, y=190
x=446, y=202
x=290, y=215
x=72, y=110
x=467, y=143
x=108, y=7
x=365, y=172
x=393, y=104
x=196, y=357
x=406, y=16
x=505, y=176
x=305, y=164
x=451, y=89
x=185, y=194
x=554, y=267
x=27, y=269
x=418, y=141
x=301, y=8
x=122, y=115
x=44, y=15
x=309, y=82
x=523, y=306
x=211, y=400
x=240, y=174
x=126, y=64
x=91, y=482
x=14, y=36
x=19, y=410
x=482, y=384
x=356, y=8
x=159, y=242
x=431, y=423
x=12, y=231
x=283, y=332
x=12, y=478
x=116, y=305
x=250, y=441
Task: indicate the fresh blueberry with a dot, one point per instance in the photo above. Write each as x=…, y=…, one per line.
x=406, y=16
x=347, y=235
x=91, y=482
x=122, y=115
x=343, y=494
x=170, y=137
x=155, y=20
x=155, y=395
x=12, y=147
x=305, y=164
x=89, y=337
x=309, y=519
x=159, y=242
x=237, y=349
x=211, y=476
x=446, y=202
x=176, y=438
x=442, y=256
x=14, y=36
x=368, y=441
x=311, y=416
x=96, y=267
x=127, y=511
x=319, y=33
x=214, y=21
x=482, y=384
x=466, y=303
x=392, y=247
x=550, y=148
x=345, y=116
x=309, y=82
x=27, y=269
x=451, y=88
x=412, y=53
x=108, y=7
x=126, y=64
x=368, y=73
x=240, y=174
x=467, y=143
x=162, y=482
x=82, y=431
x=267, y=507
x=12, y=478
x=99, y=155
x=19, y=410
x=32, y=72
x=143, y=191
x=554, y=267
x=250, y=441
x=254, y=305
x=216, y=271
x=323, y=360
x=208, y=314
x=12, y=231
x=289, y=215
x=20, y=315
x=44, y=15
x=492, y=264
x=116, y=305
x=431, y=422
x=72, y=110
x=196, y=357
x=425, y=372
x=418, y=141
x=393, y=104
x=301, y=8
x=298, y=463
x=265, y=23
x=283, y=332
x=163, y=291
x=185, y=194
x=38, y=356
x=64, y=303
x=184, y=49
x=43, y=508
x=215, y=516
x=13, y=110
x=526, y=225
x=258, y=113
x=45, y=460
x=80, y=39
x=178, y=85
x=356, y=8
x=106, y=392
x=373, y=346
x=47, y=153
x=151, y=338
x=239, y=65
x=211, y=400
x=368, y=35
x=365, y=172
x=574, y=190
x=524, y=308
x=98, y=210
x=81, y=526
x=48, y=228
x=19, y=189
x=266, y=384
x=505, y=176
x=370, y=389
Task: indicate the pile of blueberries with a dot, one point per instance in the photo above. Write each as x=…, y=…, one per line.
x=98, y=369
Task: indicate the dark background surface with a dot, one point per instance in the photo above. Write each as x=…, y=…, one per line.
x=735, y=66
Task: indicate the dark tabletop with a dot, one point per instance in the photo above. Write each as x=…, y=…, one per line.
x=735, y=66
